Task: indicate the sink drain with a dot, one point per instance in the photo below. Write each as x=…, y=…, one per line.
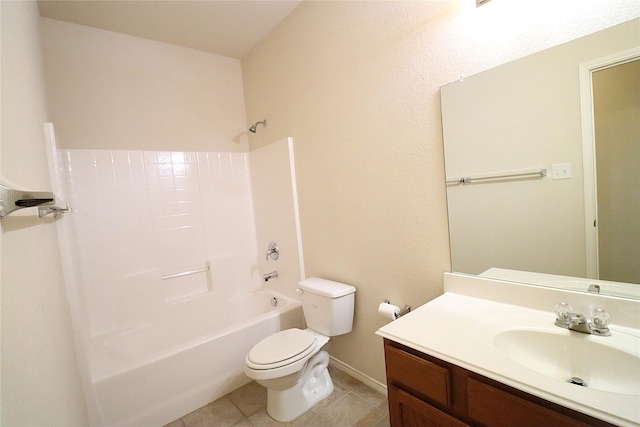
x=577, y=381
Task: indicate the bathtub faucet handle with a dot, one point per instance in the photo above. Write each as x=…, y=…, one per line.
x=273, y=251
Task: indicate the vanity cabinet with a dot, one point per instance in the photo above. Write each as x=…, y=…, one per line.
x=425, y=391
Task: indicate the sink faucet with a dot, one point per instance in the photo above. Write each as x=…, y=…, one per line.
x=579, y=323
x=567, y=318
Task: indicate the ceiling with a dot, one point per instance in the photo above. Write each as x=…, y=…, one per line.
x=230, y=28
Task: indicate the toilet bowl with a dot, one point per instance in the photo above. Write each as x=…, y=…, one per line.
x=290, y=363
x=293, y=369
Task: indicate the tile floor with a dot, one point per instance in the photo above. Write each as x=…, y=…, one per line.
x=352, y=403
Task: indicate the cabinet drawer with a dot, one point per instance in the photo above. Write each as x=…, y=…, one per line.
x=421, y=376
x=497, y=408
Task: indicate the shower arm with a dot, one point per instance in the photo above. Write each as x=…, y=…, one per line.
x=254, y=127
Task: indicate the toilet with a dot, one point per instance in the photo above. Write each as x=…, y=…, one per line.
x=289, y=363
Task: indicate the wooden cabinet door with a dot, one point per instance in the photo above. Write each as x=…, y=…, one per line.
x=406, y=410
x=419, y=375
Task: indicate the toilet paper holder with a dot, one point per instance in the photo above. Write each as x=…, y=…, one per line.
x=404, y=310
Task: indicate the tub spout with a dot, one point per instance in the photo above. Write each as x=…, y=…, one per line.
x=269, y=276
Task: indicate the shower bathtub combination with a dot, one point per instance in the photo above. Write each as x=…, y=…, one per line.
x=164, y=275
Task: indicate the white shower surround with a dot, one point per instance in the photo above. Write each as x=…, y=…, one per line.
x=142, y=215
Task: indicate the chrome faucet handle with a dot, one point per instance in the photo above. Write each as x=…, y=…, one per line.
x=273, y=251
x=563, y=311
x=600, y=322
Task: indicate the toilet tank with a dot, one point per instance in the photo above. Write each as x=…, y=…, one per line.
x=327, y=305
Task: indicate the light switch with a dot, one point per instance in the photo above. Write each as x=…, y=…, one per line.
x=561, y=171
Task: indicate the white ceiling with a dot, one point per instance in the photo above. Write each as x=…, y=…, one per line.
x=230, y=28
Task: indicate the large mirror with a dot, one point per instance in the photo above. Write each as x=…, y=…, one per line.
x=534, y=195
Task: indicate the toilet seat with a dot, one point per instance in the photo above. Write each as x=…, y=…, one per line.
x=281, y=349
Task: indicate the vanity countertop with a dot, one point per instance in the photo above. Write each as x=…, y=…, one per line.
x=460, y=329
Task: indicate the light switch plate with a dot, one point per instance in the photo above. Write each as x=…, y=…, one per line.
x=561, y=171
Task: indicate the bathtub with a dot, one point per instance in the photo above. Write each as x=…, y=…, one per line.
x=155, y=373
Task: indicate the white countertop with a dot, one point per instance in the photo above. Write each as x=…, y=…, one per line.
x=460, y=329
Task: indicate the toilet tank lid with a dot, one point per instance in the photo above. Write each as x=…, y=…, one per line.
x=326, y=288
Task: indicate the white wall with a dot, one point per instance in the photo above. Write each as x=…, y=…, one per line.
x=275, y=205
x=40, y=378
x=113, y=91
x=141, y=215
x=155, y=139
x=356, y=84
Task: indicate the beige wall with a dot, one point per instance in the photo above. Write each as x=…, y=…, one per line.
x=40, y=379
x=113, y=91
x=356, y=84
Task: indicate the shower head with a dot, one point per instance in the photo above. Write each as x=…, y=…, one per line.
x=254, y=126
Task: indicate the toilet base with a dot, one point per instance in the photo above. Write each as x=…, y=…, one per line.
x=314, y=385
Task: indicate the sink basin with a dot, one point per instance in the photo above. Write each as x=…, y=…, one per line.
x=564, y=355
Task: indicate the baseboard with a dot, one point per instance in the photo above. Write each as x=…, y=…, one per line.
x=349, y=370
